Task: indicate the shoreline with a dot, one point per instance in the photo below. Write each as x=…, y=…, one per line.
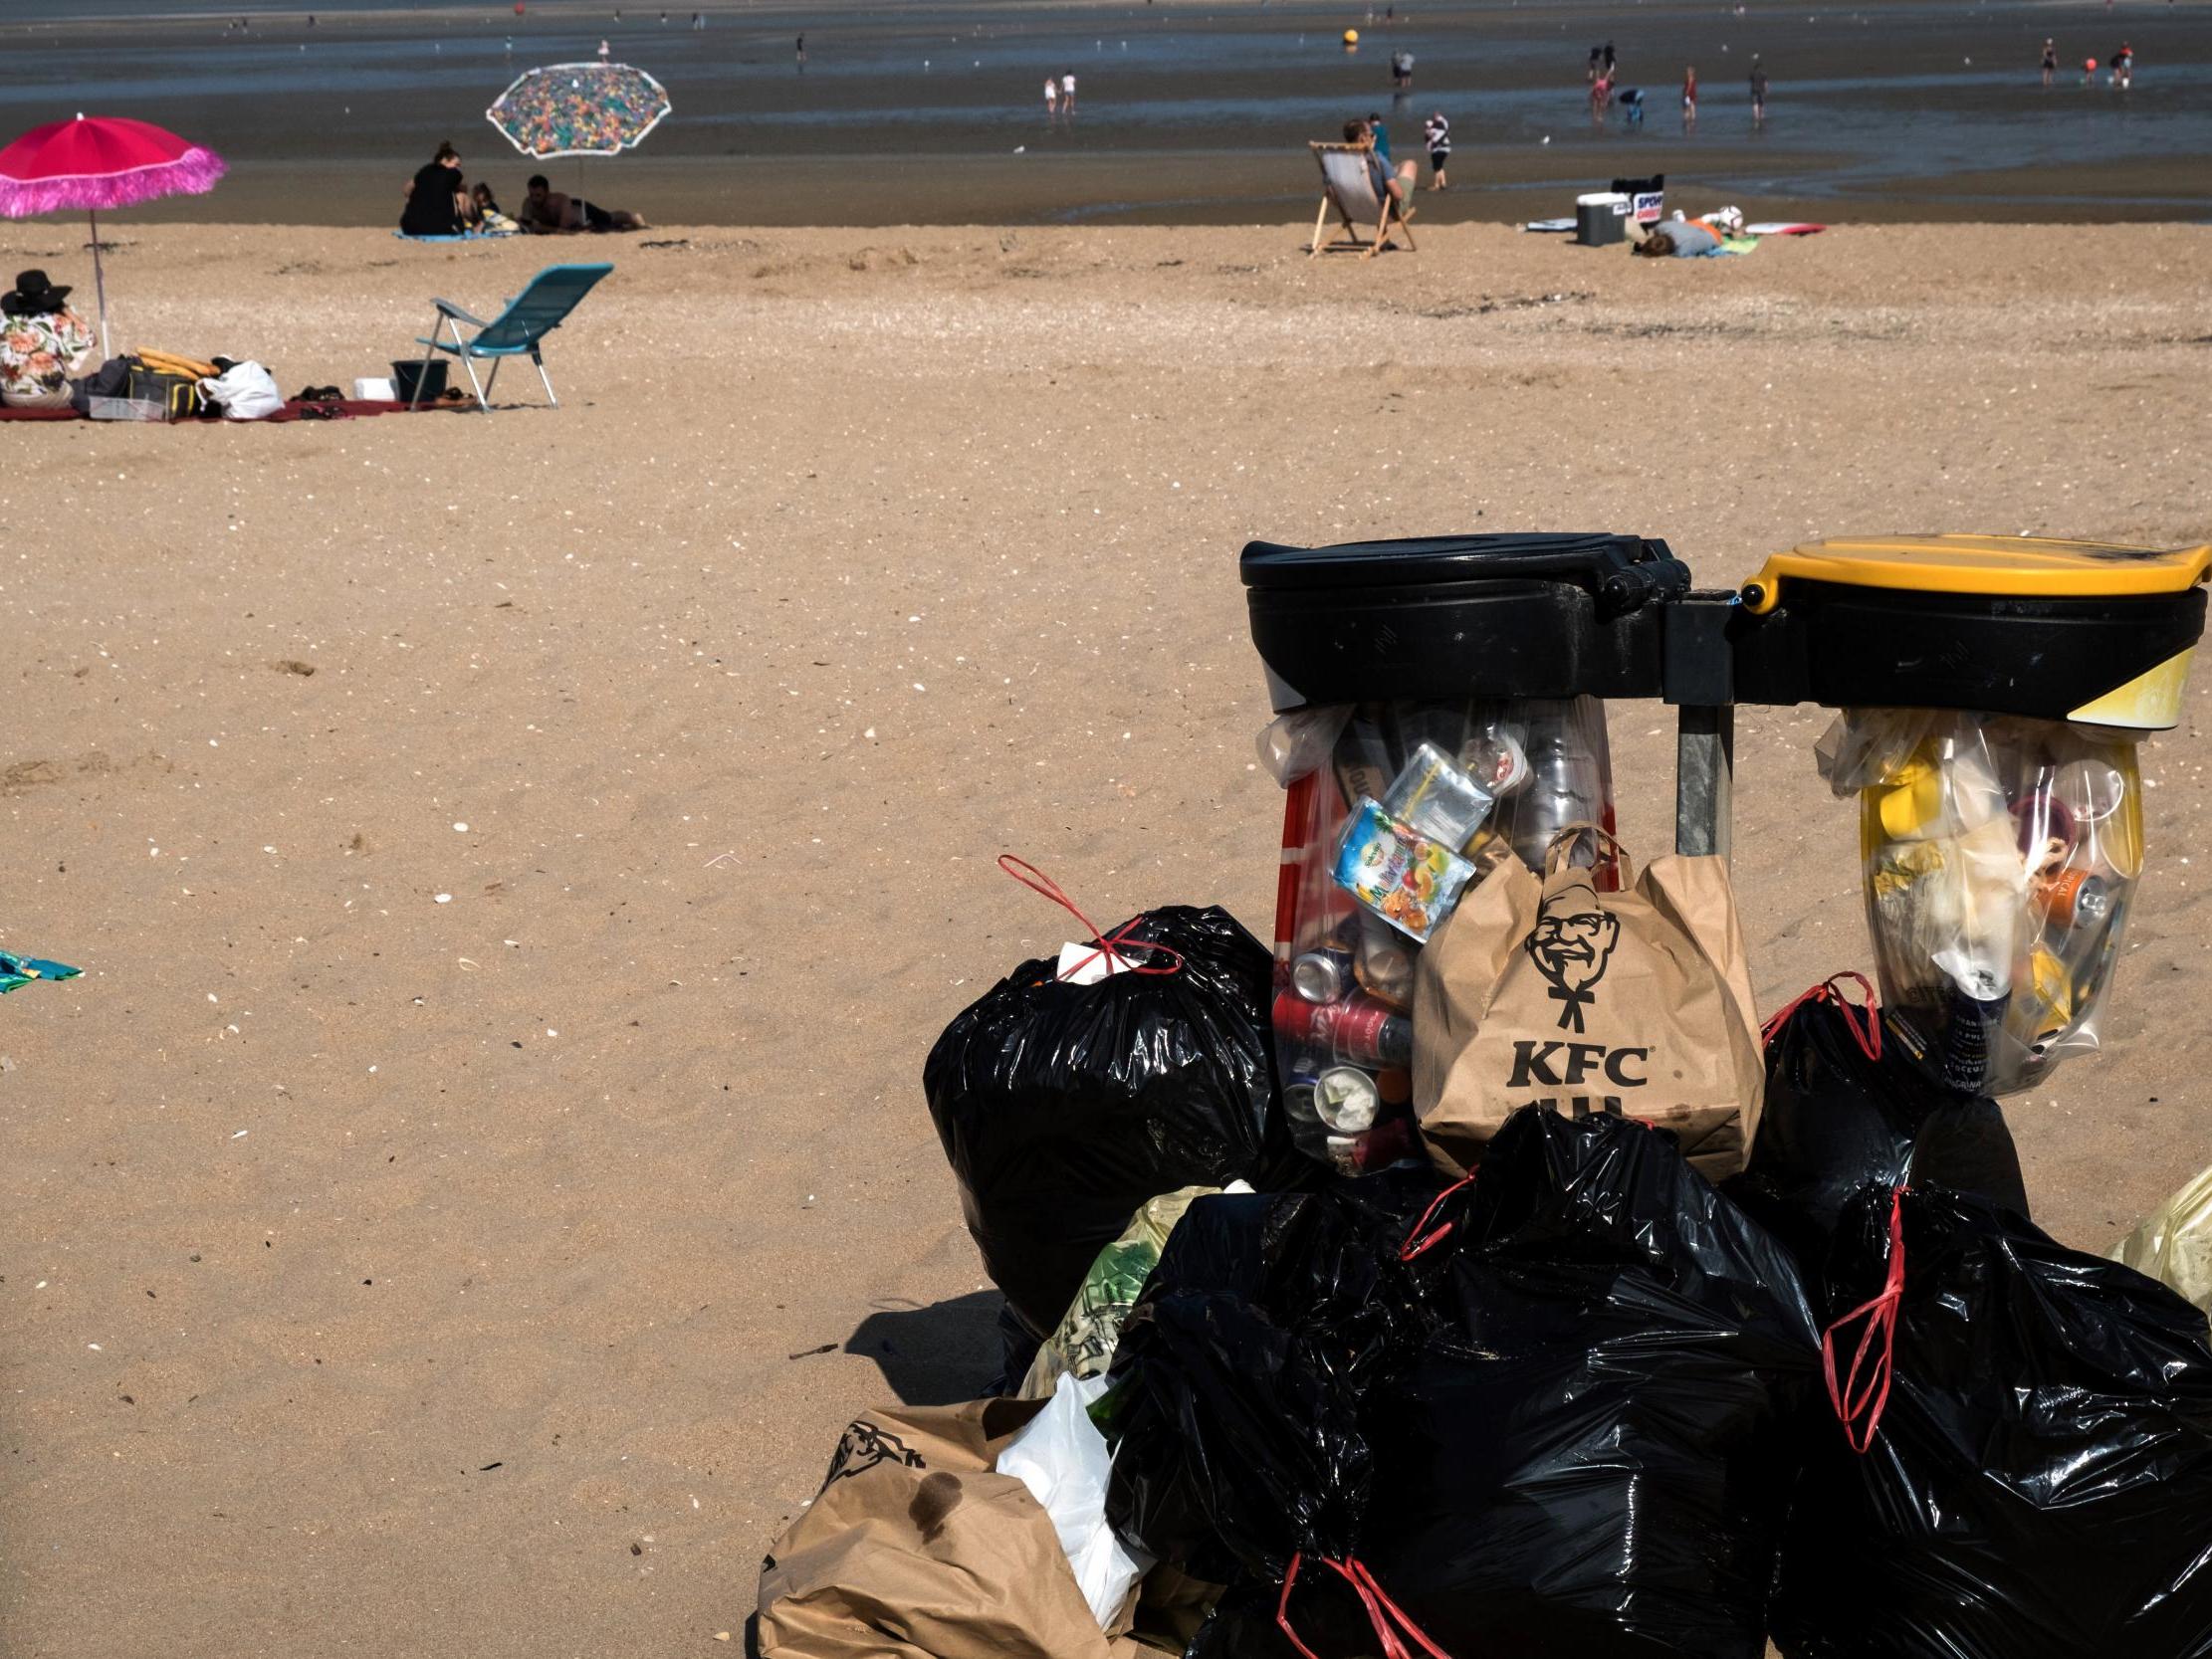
x=1193, y=113
x=1158, y=187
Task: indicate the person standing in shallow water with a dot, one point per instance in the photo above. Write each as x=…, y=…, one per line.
x=1438, y=131
x=1758, y=93
x=1690, y=98
x=2050, y=61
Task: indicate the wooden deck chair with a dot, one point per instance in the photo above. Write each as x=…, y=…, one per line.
x=1348, y=185
x=516, y=332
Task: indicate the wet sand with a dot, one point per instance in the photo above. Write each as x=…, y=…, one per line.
x=1188, y=111
x=494, y=1274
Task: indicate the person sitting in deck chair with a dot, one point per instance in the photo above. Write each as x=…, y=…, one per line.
x=548, y=212
x=1398, y=183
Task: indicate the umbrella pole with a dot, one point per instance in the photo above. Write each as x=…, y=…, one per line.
x=100, y=284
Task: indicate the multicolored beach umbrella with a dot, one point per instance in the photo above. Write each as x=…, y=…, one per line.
x=101, y=162
x=579, y=110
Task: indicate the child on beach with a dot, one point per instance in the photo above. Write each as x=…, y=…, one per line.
x=1051, y=98
x=486, y=213
x=1068, y=94
x=1689, y=96
x=1438, y=131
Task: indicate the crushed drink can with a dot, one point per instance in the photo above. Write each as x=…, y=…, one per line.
x=1359, y=1030
x=1347, y=1100
x=2074, y=896
x=1324, y=976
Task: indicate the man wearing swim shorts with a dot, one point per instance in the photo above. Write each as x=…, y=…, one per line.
x=548, y=212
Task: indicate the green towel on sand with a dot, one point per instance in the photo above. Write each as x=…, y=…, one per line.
x=21, y=970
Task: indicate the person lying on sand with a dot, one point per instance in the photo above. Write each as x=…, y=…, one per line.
x=548, y=212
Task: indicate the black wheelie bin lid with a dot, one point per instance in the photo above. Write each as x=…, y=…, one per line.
x=1460, y=616
x=1997, y=624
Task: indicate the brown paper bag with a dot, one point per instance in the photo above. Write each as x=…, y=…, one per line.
x=1550, y=993
x=915, y=1549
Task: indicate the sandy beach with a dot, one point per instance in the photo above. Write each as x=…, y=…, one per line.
x=519, y=863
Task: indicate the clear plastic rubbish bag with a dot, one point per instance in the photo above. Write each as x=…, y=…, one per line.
x=2000, y=856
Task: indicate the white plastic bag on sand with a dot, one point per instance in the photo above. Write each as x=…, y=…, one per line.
x=245, y=392
x=1061, y=1458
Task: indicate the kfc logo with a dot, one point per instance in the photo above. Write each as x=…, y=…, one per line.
x=1572, y=942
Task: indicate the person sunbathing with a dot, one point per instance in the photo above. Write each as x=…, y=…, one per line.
x=549, y=212
x=1397, y=182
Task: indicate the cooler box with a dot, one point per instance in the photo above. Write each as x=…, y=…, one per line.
x=1600, y=218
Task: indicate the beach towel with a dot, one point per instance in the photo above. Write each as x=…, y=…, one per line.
x=464, y=236
x=16, y=971
x=350, y=409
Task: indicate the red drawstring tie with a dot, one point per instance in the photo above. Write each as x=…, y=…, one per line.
x=1860, y=1017
x=1414, y=1244
x=1029, y=875
x=1859, y=1400
x=1384, y=1615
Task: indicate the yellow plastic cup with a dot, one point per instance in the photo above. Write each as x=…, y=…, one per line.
x=1911, y=801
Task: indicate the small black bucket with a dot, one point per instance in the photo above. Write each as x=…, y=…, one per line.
x=431, y=374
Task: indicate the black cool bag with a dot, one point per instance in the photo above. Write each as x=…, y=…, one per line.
x=1063, y=1106
x=2024, y=1464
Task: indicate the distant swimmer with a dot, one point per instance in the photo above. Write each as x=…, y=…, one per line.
x=1758, y=93
x=2050, y=61
x=1631, y=106
x=802, y=49
x=1068, y=94
x=1051, y=98
x=1689, y=96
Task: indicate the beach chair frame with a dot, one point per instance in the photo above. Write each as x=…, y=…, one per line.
x=518, y=331
x=1389, y=214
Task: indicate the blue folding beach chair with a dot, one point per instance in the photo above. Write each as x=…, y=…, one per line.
x=518, y=331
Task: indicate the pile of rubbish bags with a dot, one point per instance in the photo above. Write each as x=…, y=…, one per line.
x=1691, y=1334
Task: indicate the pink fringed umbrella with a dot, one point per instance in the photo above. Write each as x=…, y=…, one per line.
x=101, y=162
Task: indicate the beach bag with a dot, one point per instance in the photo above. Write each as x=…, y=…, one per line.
x=915, y=1549
x=244, y=392
x=1064, y=1105
x=177, y=394
x=2016, y=1462
x=1843, y=1109
x=1635, y=1003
